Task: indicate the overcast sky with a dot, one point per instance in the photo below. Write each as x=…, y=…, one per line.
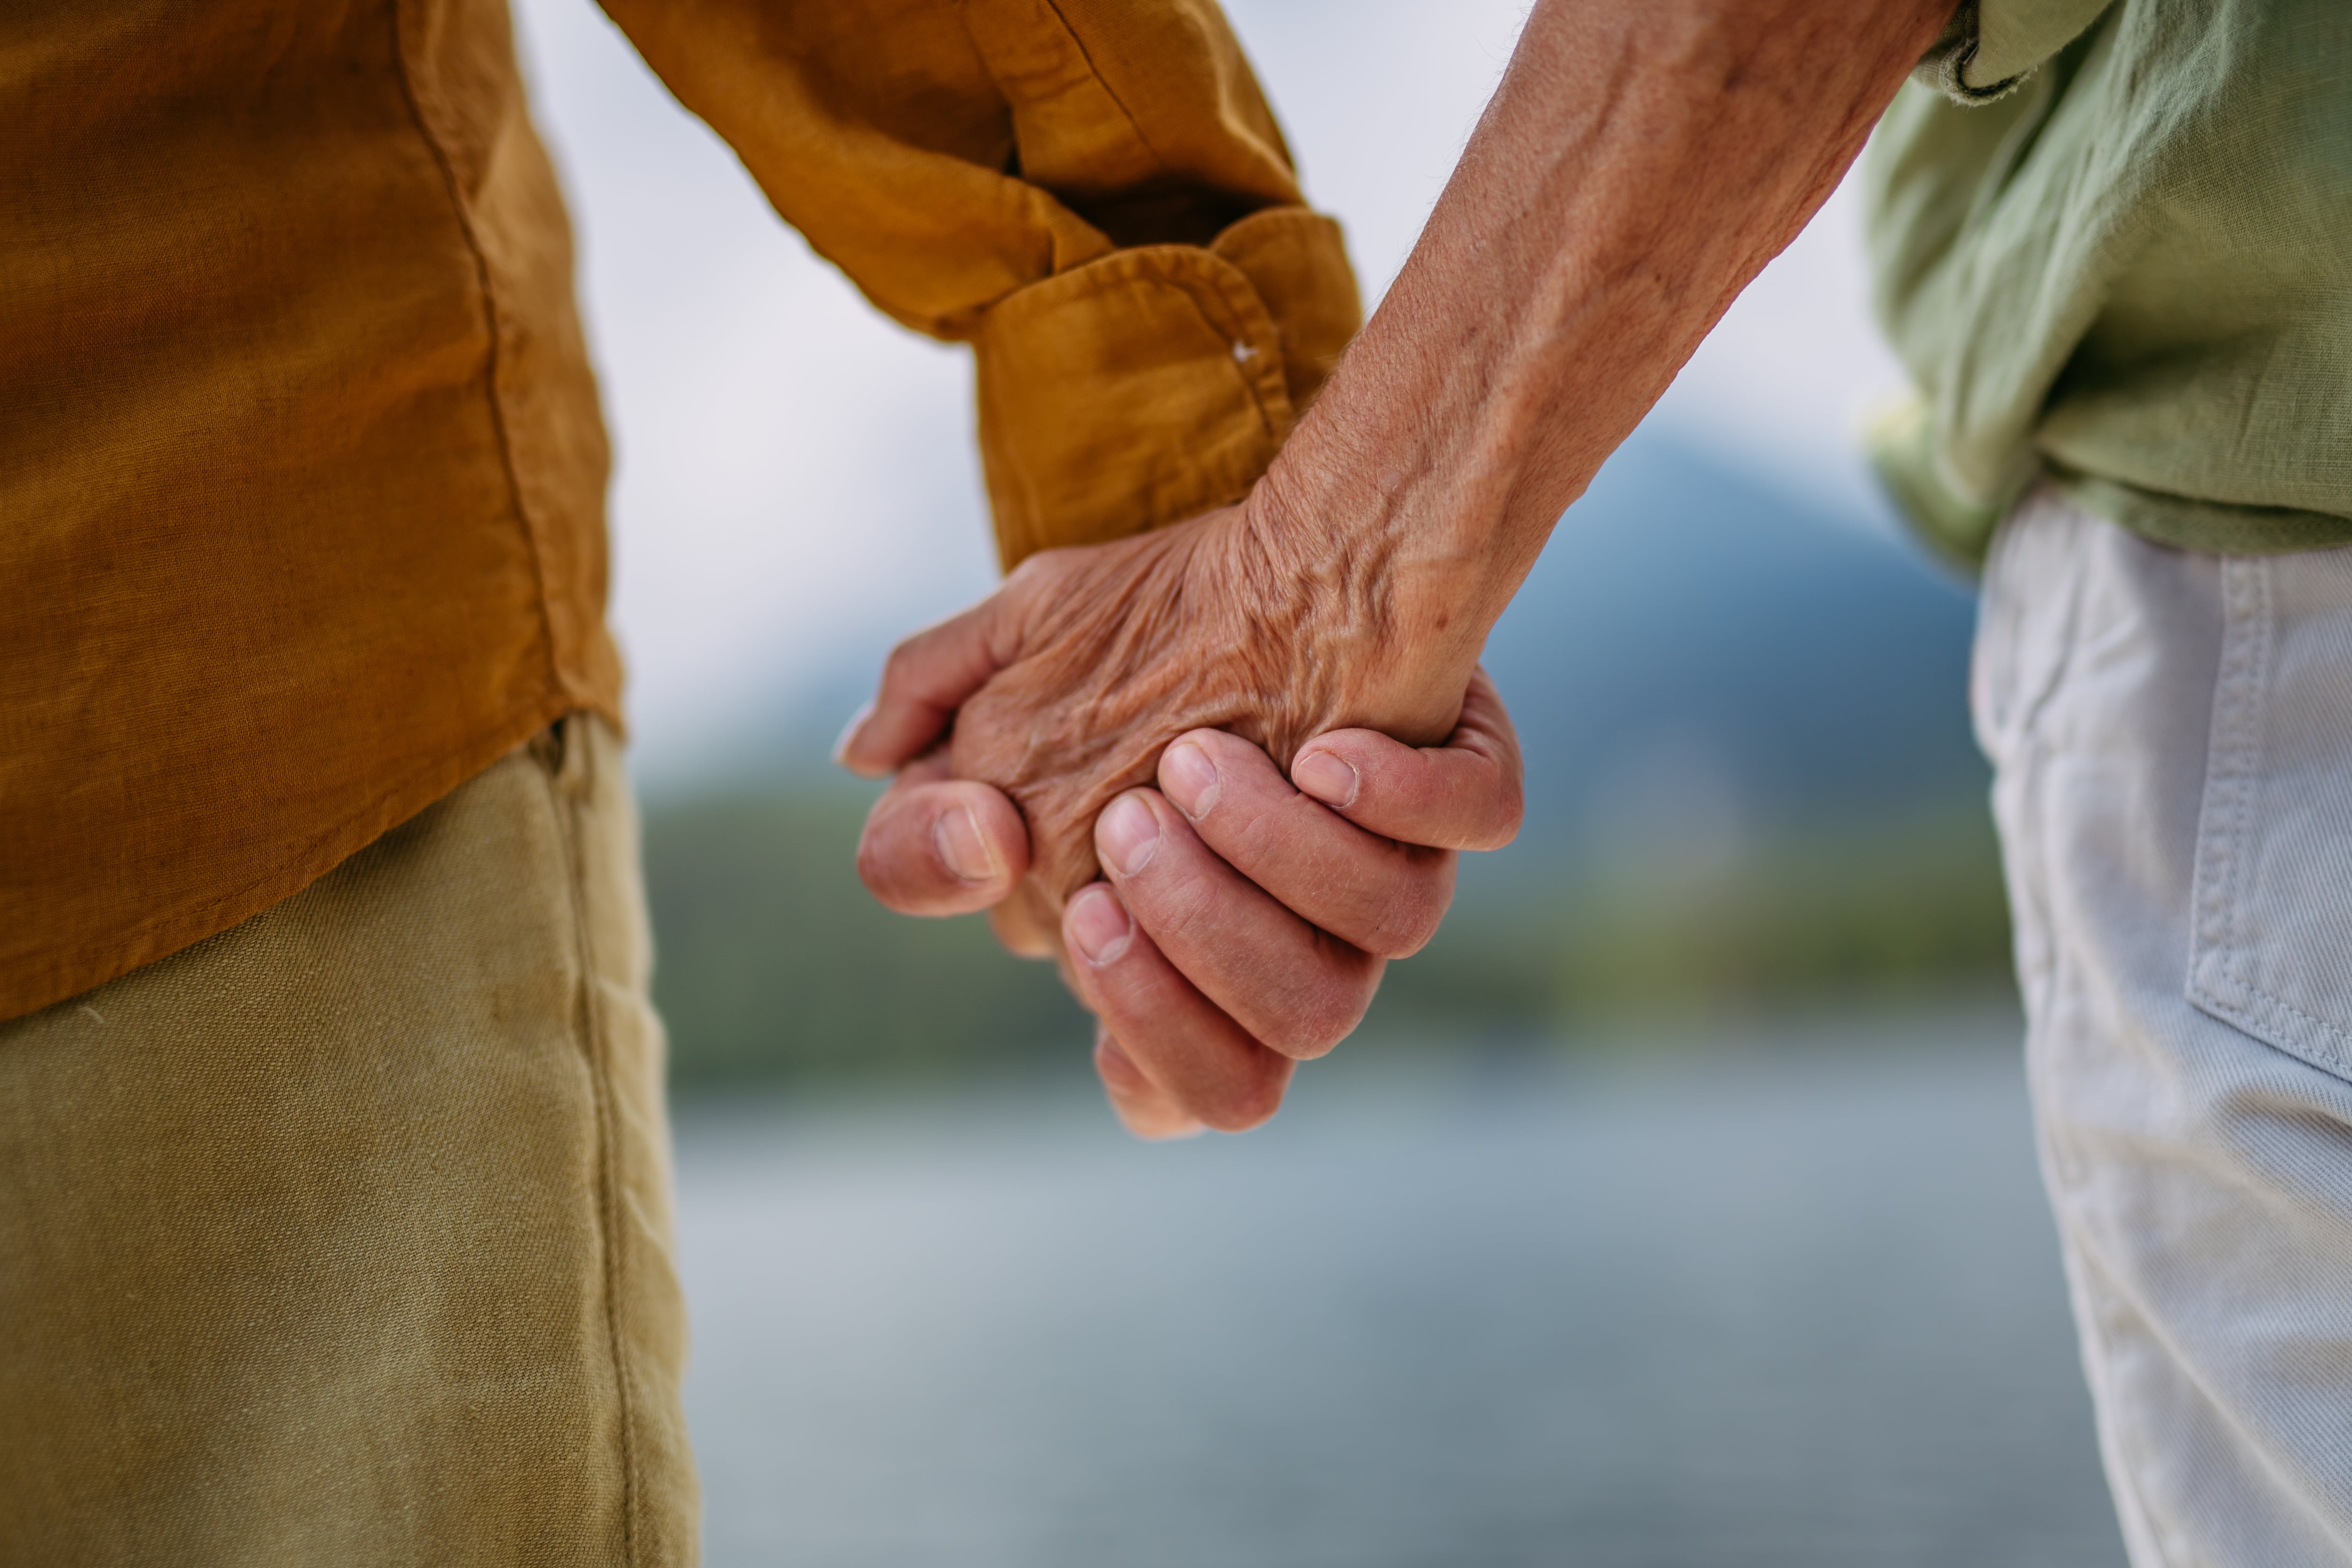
x=796, y=482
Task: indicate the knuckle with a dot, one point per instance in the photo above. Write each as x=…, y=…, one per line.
x=1409, y=919
x=1406, y=942
x=898, y=664
x=1246, y=758
x=1039, y=565
x=1510, y=811
x=1399, y=935
x=1323, y=1015
x=1042, y=579
x=1247, y=834
x=1121, y=1076
x=1494, y=820
x=1182, y=909
x=898, y=864
x=1395, y=916
x=1024, y=930
x=1240, y=1106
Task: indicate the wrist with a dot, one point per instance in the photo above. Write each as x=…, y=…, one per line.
x=1388, y=613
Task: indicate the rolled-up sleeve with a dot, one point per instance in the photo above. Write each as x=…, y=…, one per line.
x=1991, y=46
x=1093, y=192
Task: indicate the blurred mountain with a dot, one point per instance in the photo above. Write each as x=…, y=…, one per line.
x=1695, y=640
x=1750, y=772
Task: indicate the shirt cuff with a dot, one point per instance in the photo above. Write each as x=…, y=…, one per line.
x=1156, y=383
x=1991, y=46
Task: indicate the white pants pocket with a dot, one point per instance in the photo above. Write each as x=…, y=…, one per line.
x=2272, y=906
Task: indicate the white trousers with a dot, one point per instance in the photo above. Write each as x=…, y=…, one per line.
x=2171, y=736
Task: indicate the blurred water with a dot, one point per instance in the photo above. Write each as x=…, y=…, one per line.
x=1754, y=1306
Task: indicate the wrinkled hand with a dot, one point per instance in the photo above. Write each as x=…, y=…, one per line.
x=1069, y=680
x=1245, y=926
x=1245, y=923
x=1064, y=686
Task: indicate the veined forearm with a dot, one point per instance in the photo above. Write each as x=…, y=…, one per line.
x=1640, y=162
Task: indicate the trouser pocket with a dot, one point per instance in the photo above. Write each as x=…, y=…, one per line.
x=2271, y=907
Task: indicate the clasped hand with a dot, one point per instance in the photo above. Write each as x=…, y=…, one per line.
x=1232, y=920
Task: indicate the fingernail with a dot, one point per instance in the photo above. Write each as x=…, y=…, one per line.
x=956, y=836
x=1327, y=778
x=1189, y=778
x=1099, y=925
x=1127, y=834
x=849, y=731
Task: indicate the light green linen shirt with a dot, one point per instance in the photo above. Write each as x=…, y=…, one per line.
x=2113, y=246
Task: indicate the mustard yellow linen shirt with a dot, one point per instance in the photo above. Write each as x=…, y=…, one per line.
x=302, y=471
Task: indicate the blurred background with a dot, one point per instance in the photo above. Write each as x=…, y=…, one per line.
x=1678, y=1205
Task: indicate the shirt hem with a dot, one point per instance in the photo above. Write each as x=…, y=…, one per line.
x=2208, y=528
x=160, y=936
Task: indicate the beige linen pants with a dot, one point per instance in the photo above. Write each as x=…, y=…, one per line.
x=2172, y=741
x=344, y=1236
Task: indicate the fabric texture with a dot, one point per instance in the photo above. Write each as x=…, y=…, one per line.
x=2113, y=247
x=2172, y=739
x=1985, y=50
x=301, y=469
x=344, y=1235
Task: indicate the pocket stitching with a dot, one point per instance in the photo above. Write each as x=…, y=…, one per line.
x=2285, y=1007
x=2234, y=747
x=2216, y=984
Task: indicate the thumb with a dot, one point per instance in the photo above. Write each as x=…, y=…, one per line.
x=1465, y=795
x=924, y=681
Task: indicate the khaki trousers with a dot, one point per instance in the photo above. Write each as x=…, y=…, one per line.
x=344, y=1236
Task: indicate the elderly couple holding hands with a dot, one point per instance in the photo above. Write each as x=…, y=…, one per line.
x=337, y=1220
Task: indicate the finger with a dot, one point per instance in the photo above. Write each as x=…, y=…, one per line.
x=1028, y=923
x=924, y=681
x=1193, y=1055
x=1287, y=984
x=1465, y=794
x=933, y=845
x=1370, y=891
x=1137, y=1102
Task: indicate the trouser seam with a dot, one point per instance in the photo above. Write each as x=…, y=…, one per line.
x=2022, y=838
x=2021, y=776
x=564, y=788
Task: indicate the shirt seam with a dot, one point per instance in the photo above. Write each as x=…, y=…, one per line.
x=1136, y=126
x=493, y=357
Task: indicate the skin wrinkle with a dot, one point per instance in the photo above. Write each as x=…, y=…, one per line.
x=1314, y=857
x=1378, y=896
x=1218, y=1074
x=1402, y=923
x=1167, y=1012
x=1108, y=697
x=1308, y=988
